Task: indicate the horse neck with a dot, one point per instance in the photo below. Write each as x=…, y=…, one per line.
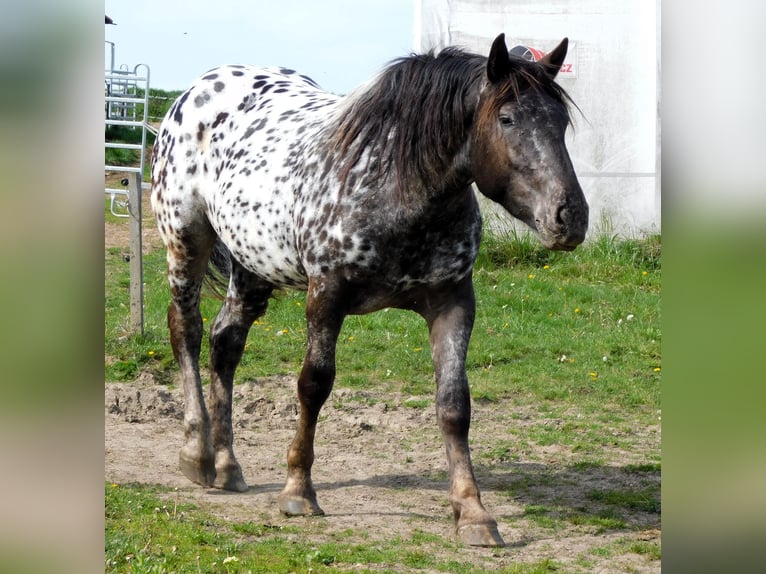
x=420, y=139
x=452, y=172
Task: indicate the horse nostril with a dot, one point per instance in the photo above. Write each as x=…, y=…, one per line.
x=563, y=216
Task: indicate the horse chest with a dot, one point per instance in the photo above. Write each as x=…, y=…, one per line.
x=436, y=253
x=380, y=247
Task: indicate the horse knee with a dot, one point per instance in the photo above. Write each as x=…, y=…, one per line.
x=185, y=328
x=314, y=385
x=453, y=413
x=227, y=343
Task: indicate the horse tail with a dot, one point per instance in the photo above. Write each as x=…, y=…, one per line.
x=218, y=270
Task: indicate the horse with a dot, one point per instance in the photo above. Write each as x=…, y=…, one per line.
x=365, y=202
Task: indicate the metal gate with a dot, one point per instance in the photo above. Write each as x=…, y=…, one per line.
x=126, y=98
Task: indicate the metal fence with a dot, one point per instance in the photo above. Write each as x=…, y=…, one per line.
x=126, y=96
x=126, y=103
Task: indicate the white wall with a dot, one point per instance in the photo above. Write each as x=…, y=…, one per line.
x=614, y=79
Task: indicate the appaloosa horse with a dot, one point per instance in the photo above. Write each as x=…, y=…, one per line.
x=365, y=202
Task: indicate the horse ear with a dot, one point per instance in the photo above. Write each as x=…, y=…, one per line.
x=553, y=60
x=499, y=63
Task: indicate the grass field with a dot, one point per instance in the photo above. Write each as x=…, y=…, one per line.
x=585, y=323
x=556, y=332
x=142, y=519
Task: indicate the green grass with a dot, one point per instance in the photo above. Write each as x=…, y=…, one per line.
x=644, y=499
x=558, y=518
x=585, y=323
x=572, y=338
x=583, y=327
x=562, y=500
x=625, y=545
x=149, y=531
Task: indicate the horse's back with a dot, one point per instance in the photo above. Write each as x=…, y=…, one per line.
x=222, y=156
x=233, y=121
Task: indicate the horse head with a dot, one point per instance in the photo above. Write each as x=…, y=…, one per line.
x=518, y=154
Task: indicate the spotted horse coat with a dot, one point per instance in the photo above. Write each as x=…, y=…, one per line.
x=365, y=202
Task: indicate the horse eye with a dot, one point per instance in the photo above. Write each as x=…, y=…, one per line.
x=506, y=121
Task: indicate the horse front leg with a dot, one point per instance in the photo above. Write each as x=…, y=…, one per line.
x=450, y=321
x=324, y=320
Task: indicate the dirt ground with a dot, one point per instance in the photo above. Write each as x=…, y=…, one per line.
x=380, y=468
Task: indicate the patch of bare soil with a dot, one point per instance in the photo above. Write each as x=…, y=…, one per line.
x=380, y=470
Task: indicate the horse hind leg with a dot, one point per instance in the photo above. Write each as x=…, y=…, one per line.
x=188, y=250
x=246, y=300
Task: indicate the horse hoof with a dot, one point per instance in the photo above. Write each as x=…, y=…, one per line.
x=230, y=479
x=480, y=535
x=198, y=471
x=298, y=506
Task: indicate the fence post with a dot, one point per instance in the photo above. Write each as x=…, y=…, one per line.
x=136, y=255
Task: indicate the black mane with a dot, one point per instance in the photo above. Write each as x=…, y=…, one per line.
x=413, y=117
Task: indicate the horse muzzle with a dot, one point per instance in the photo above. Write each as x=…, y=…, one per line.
x=565, y=229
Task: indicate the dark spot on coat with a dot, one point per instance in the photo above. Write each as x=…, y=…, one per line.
x=202, y=99
x=220, y=118
x=178, y=115
x=310, y=81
